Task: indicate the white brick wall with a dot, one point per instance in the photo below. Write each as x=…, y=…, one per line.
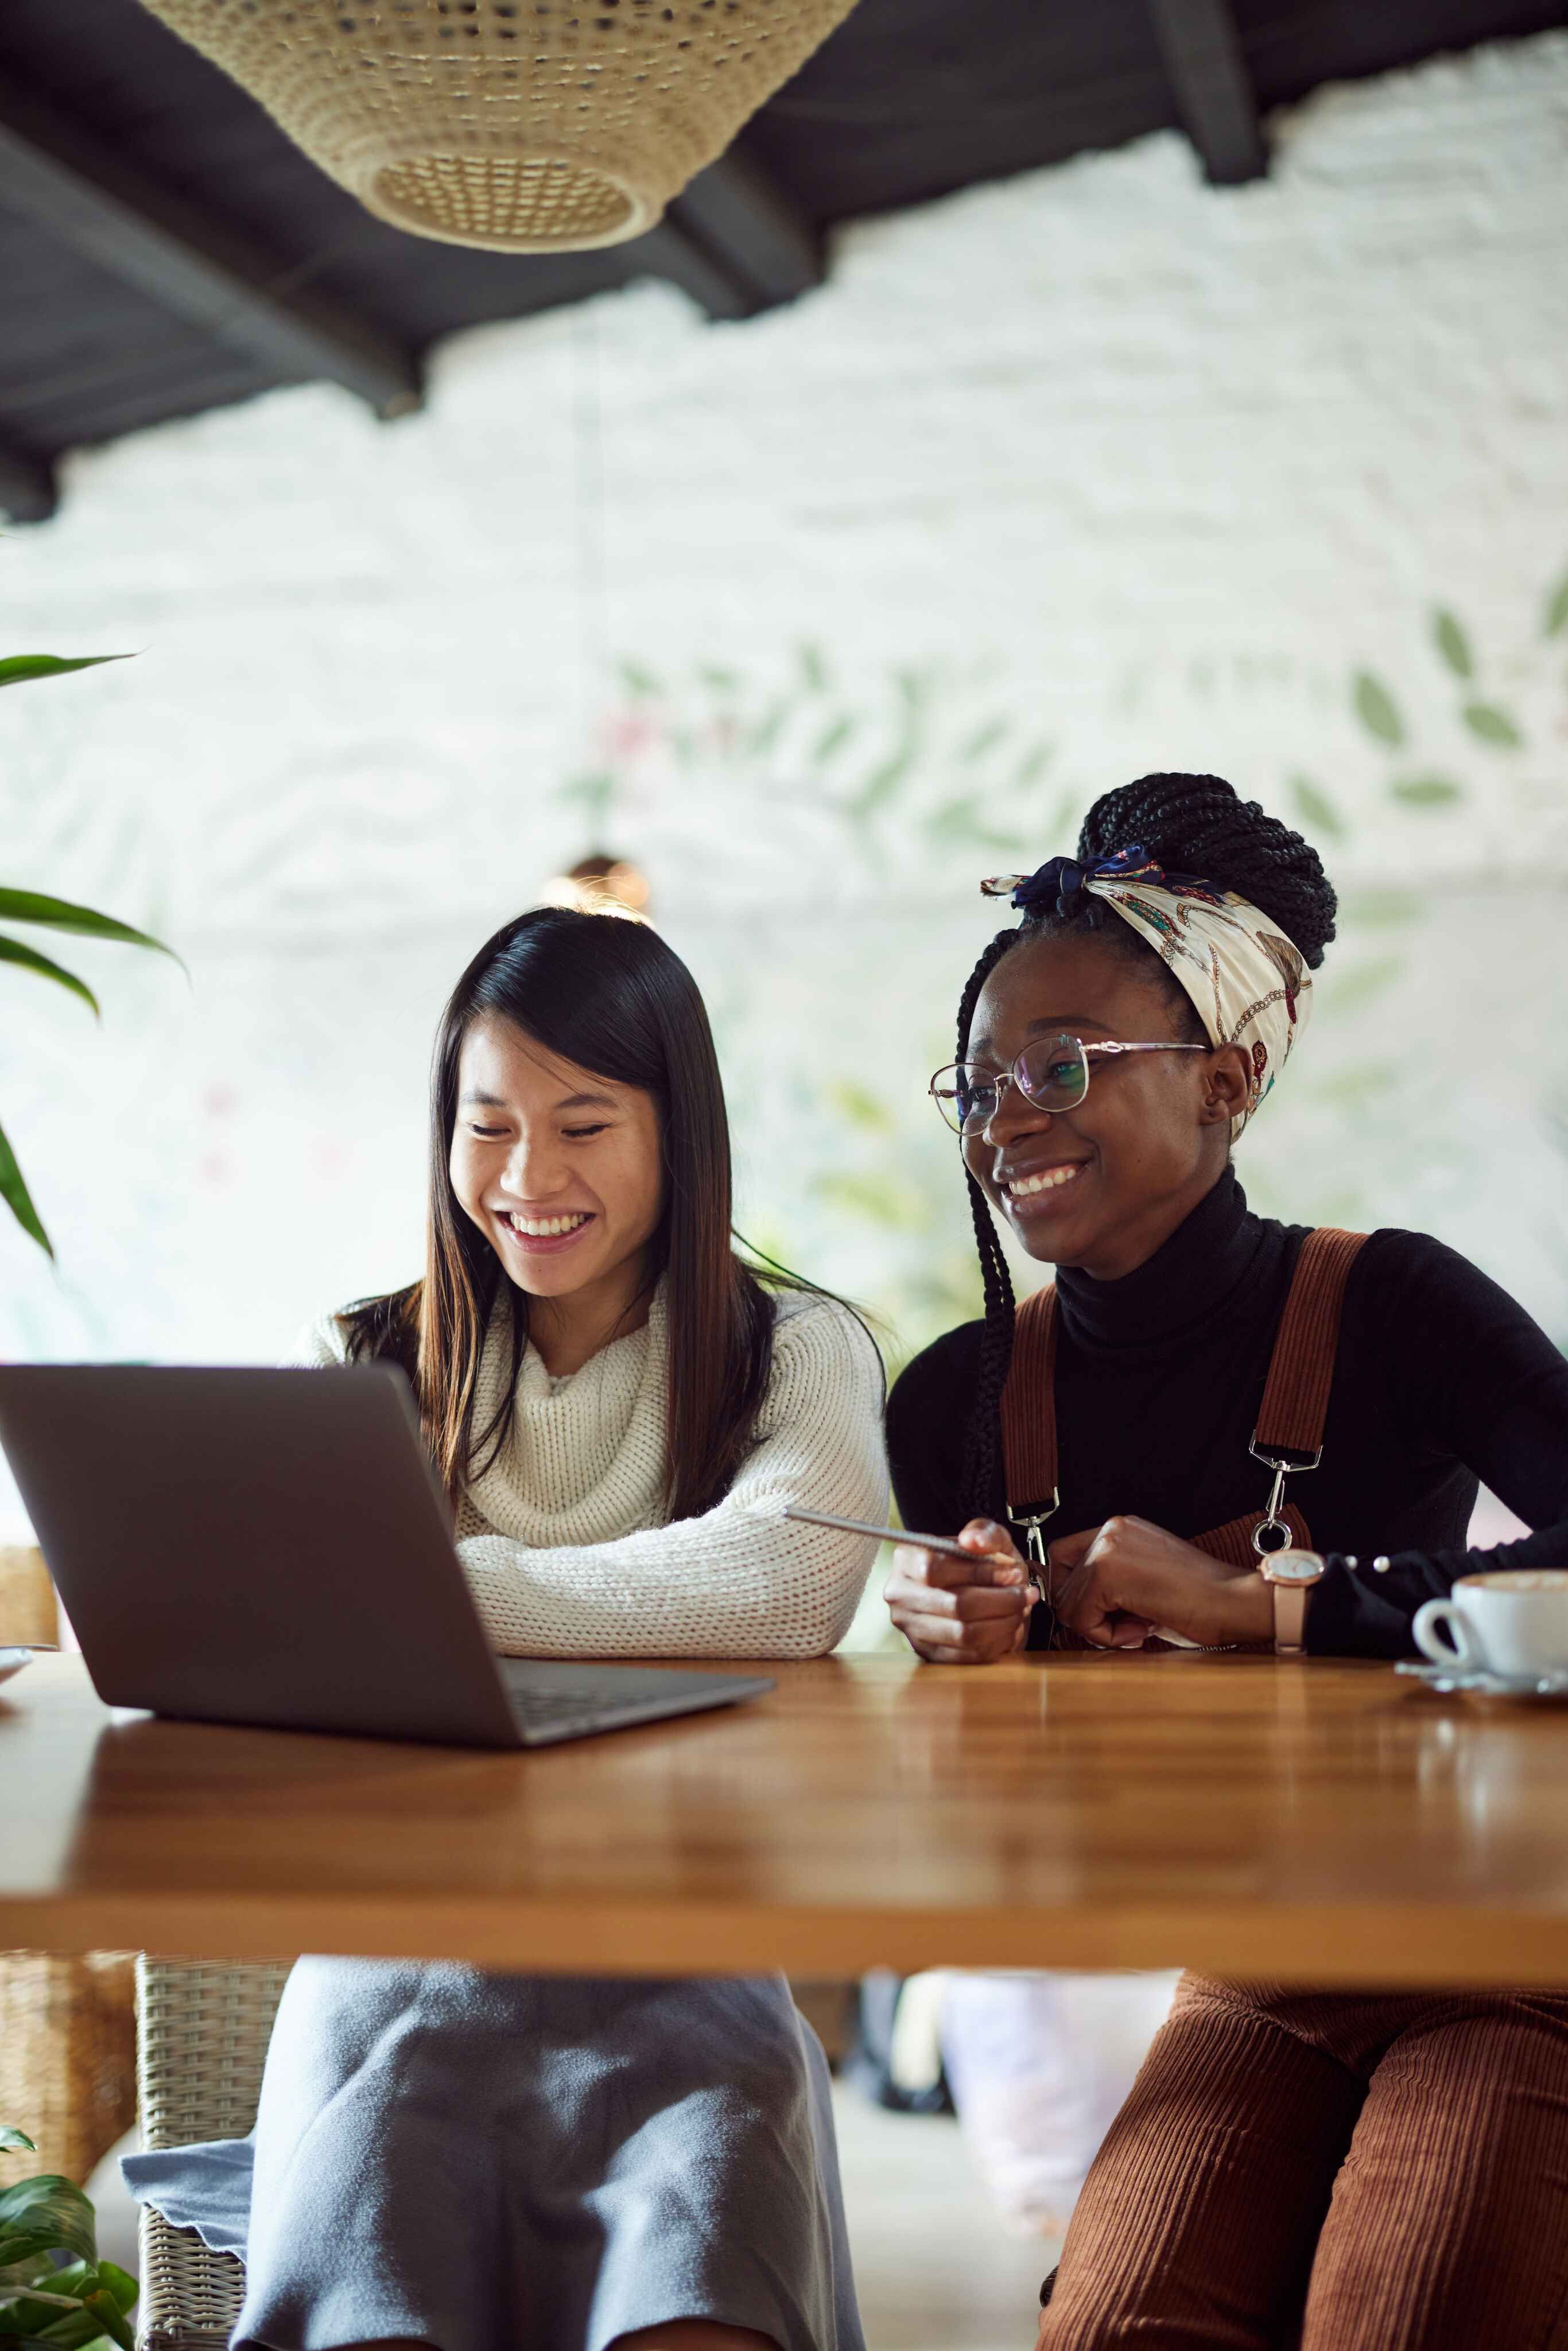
x=1128, y=471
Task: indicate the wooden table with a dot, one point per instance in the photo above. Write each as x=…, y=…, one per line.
x=1324, y=1822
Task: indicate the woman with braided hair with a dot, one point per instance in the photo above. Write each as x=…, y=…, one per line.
x=1220, y=1431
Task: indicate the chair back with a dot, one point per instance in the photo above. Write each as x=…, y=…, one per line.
x=203, y=2027
x=28, y=1610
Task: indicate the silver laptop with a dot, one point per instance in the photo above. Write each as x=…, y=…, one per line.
x=273, y=1546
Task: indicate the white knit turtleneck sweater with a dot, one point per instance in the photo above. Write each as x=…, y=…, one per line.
x=563, y=1537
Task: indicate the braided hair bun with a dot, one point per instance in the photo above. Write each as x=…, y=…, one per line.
x=1196, y=824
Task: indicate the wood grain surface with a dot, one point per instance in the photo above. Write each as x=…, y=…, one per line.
x=1317, y=1823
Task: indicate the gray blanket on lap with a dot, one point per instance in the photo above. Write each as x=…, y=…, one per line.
x=477, y=2160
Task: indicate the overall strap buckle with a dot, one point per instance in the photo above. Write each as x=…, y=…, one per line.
x=1273, y=1535
x=1028, y=1524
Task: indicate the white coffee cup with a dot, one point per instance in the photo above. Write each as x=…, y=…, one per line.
x=1512, y=1622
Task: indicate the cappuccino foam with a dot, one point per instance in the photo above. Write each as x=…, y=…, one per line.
x=1520, y=1579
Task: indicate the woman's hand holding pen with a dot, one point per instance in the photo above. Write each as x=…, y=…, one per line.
x=955, y=1612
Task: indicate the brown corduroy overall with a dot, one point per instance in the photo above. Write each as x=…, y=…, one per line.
x=1313, y=2171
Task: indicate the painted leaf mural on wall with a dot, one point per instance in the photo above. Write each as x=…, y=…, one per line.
x=1452, y=644
x=1376, y=708
x=1492, y=725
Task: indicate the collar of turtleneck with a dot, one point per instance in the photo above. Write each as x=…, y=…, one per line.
x=1191, y=1279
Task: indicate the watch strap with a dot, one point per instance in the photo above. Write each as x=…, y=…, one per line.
x=1290, y=1594
x=1291, y=1619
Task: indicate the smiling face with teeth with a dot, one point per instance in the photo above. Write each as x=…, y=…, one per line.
x=1101, y=1185
x=562, y=1171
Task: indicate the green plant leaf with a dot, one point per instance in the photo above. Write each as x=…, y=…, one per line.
x=19, y=2338
x=45, y=2215
x=75, y=2279
x=1376, y=709
x=638, y=680
x=21, y=668
x=722, y=681
x=60, y=915
x=813, y=668
x=94, y=2318
x=15, y=2141
x=19, y=1200
x=1317, y=807
x=1492, y=725
x=1427, y=792
x=119, y=2283
x=13, y=951
x=1555, y=616
x=103, y=2309
x=1452, y=644
x=30, y=2317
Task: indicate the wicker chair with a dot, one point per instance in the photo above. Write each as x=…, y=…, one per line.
x=205, y=2028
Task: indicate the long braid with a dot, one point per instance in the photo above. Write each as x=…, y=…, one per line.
x=982, y=1457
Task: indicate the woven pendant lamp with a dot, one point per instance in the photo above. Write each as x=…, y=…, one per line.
x=525, y=126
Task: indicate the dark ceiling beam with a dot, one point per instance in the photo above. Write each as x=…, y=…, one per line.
x=77, y=189
x=27, y=492
x=753, y=226
x=735, y=240
x=1202, y=53
x=668, y=252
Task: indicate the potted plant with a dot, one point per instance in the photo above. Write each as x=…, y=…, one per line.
x=53, y=2289
x=35, y=911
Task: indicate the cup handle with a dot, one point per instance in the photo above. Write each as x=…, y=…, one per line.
x=1437, y=1617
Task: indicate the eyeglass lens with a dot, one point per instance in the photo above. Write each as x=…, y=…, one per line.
x=1053, y=1073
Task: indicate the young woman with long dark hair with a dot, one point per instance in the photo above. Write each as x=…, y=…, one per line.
x=1247, y=1434
x=618, y=1405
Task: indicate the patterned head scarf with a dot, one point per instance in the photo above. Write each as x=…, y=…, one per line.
x=1249, y=984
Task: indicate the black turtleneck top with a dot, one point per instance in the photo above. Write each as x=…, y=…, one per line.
x=1441, y=1380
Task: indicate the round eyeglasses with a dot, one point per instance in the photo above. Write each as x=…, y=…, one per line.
x=1052, y=1074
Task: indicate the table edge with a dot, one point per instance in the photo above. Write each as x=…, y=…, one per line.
x=1376, y=1944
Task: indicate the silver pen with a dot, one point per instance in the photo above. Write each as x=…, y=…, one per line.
x=916, y=1541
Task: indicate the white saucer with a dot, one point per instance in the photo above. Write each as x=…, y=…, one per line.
x=1470, y=1684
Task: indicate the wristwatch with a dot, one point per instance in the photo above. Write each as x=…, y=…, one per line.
x=1292, y=1574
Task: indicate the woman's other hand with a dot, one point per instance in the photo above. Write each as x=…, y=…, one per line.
x=955, y=1612
x=1116, y=1583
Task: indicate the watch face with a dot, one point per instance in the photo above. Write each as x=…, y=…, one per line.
x=1293, y=1567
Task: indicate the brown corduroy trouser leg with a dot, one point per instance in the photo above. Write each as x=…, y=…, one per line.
x=1337, y=2171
